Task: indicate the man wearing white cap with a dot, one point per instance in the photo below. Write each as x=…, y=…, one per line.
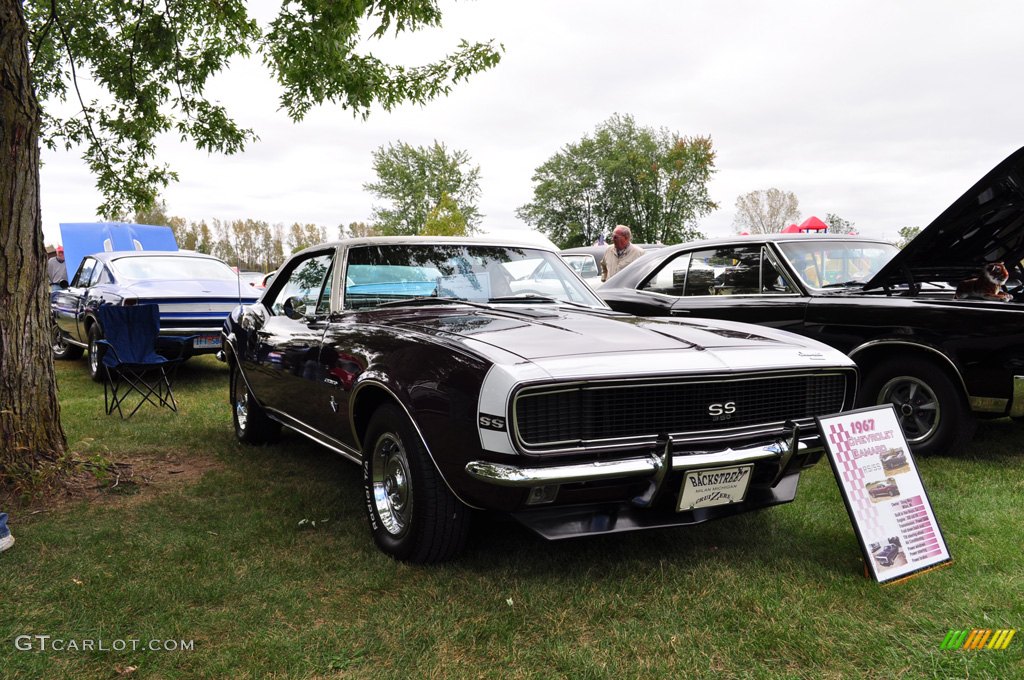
x=57, y=269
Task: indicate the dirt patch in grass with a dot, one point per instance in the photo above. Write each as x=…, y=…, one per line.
x=121, y=479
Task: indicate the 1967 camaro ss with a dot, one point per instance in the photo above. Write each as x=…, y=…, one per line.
x=941, y=362
x=426, y=362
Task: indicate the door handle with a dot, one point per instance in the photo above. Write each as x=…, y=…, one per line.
x=680, y=312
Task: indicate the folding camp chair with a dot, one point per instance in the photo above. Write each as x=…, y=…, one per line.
x=130, y=358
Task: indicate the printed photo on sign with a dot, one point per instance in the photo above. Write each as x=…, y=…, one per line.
x=883, y=492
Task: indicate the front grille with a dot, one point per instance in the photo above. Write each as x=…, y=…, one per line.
x=577, y=415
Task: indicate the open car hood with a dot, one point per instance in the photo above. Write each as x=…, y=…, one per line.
x=986, y=224
x=87, y=238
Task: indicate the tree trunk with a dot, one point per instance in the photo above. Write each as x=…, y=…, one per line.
x=31, y=436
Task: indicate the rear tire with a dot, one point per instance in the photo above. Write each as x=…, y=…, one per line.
x=97, y=371
x=930, y=407
x=413, y=516
x=252, y=424
x=62, y=349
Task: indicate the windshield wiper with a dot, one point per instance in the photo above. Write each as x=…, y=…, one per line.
x=844, y=284
x=525, y=297
x=422, y=300
x=530, y=297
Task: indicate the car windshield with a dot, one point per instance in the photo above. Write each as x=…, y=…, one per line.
x=166, y=268
x=824, y=264
x=381, y=274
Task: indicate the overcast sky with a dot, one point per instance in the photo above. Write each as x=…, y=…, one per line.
x=880, y=112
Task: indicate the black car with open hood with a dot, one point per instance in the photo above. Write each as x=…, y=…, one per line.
x=942, y=361
x=984, y=225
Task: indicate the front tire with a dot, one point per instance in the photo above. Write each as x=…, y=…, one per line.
x=62, y=349
x=413, y=516
x=252, y=424
x=930, y=407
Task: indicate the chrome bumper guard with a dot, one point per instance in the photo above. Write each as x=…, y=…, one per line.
x=651, y=465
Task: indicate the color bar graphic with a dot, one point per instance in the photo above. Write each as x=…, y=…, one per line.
x=978, y=638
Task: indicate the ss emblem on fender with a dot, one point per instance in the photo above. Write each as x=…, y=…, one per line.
x=722, y=411
x=489, y=422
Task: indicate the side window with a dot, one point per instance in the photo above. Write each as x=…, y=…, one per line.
x=307, y=279
x=730, y=270
x=99, y=275
x=671, y=278
x=84, y=273
x=102, y=276
x=323, y=305
x=584, y=265
x=773, y=282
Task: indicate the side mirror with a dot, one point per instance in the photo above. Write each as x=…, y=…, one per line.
x=295, y=307
x=63, y=283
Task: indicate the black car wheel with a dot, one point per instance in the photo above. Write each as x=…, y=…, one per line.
x=62, y=349
x=96, y=370
x=413, y=515
x=930, y=407
x=252, y=424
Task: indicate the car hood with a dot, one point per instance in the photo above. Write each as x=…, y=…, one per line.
x=986, y=224
x=85, y=238
x=192, y=288
x=618, y=343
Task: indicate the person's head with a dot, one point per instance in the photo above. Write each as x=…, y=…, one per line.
x=621, y=236
x=60, y=253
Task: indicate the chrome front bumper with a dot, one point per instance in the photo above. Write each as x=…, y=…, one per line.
x=651, y=465
x=1017, y=404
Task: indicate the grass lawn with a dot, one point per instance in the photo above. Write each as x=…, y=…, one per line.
x=260, y=560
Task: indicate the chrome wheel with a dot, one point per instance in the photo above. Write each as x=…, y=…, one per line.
x=916, y=404
x=96, y=371
x=57, y=342
x=242, y=408
x=392, y=484
x=252, y=424
x=62, y=349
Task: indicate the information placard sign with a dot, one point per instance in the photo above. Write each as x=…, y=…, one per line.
x=883, y=492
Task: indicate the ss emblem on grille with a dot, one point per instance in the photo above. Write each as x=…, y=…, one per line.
x=722, y=411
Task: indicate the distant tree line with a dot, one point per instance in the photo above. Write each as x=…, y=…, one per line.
x=251, y=245
x=653, y=180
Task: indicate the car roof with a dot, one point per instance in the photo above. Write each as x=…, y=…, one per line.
x=107, y=256
x=631, y=275
x=601, y=250
x=425, y=240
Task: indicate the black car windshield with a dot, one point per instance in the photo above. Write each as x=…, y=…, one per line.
x=389, y=273
x=168, y=268
x=824, y=264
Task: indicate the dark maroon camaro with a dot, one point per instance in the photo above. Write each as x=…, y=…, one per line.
x=457, y=385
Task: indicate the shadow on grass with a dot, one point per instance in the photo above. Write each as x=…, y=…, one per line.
x=499, y=545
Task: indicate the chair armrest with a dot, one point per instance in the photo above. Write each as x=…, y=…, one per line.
x=110, y=348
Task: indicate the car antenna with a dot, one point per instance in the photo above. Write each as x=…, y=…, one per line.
x=238, y=275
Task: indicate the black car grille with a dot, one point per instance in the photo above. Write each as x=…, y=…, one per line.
x=577, y=415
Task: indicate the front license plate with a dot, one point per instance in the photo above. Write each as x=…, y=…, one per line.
x=717, y=486
x=206, y=342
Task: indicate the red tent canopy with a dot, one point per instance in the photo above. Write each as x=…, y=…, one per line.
x=813, y=224
x=791, y=229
